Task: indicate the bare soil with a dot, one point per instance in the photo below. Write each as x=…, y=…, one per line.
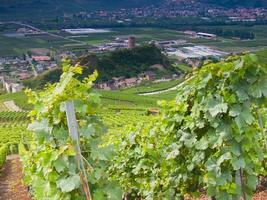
x=11, y=186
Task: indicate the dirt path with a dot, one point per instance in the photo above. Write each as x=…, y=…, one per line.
x=11, y=187
x=11, y=106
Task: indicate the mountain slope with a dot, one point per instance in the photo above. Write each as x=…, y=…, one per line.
x=73, y=4
x=20, y=9
x=48, y=8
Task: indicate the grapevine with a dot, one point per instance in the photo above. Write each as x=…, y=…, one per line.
x=49, y=161
x=211, y=137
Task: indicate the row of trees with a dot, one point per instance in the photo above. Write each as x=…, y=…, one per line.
x=226, y=32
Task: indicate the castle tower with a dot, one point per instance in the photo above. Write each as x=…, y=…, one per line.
x=131, y=42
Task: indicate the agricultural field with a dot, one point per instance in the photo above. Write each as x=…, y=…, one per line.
x=232, y=45
x=142, y=35
x=18, y=46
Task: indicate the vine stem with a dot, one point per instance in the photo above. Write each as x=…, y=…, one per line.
x=239, y=181
x=261, y=125
x=242, y=183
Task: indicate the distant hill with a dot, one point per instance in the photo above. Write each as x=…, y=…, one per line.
x=22, y=9
x=11, y=9
x=69, y=5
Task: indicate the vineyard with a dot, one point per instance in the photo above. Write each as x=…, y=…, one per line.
x=9, y=116
x=206, y=139
x=10, y=137
x=13, y=129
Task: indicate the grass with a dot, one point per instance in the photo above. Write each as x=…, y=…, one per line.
x=18, y=46
x=183, y=68
x=19, y=98
x=130, y=98
x=151, y=87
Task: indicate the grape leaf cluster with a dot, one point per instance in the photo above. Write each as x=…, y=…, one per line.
x=213, y=132
x=50, y=166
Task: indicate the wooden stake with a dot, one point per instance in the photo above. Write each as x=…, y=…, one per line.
x=73, y=131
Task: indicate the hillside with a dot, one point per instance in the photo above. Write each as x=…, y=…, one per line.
x=52, y=8
x=60, y=6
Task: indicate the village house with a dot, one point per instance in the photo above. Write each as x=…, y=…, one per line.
x=130, y=82
x=41, y=58
x=148, y=75
x=24, y=75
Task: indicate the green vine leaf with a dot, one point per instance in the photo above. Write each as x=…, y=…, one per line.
x=69, y=184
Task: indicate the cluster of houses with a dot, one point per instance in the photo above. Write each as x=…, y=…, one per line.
x=43, y=63
x=171, y=9
x=15, y=67
x=13, y=70
x=122, y=82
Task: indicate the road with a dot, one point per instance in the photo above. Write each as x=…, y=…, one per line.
x=29, y=59
x=168, y=89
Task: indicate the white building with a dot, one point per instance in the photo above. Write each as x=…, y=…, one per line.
x=85, y=31
x=206, y=35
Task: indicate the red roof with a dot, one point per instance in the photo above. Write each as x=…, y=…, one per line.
x=41, y=58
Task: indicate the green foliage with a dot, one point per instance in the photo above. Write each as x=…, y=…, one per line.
x=3, y=153
x=12, y=134
x=19, y=98
x=213, y=130
x=49, y=162
x=127, y=62
x=51, y=76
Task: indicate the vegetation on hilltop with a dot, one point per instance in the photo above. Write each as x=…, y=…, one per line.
x=125, y=62
x=122, y=62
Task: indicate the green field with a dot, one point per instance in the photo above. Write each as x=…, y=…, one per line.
x=232, y=45
x=127, y=98
x=17, y=46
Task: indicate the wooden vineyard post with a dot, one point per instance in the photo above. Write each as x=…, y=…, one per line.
x=73, y=131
